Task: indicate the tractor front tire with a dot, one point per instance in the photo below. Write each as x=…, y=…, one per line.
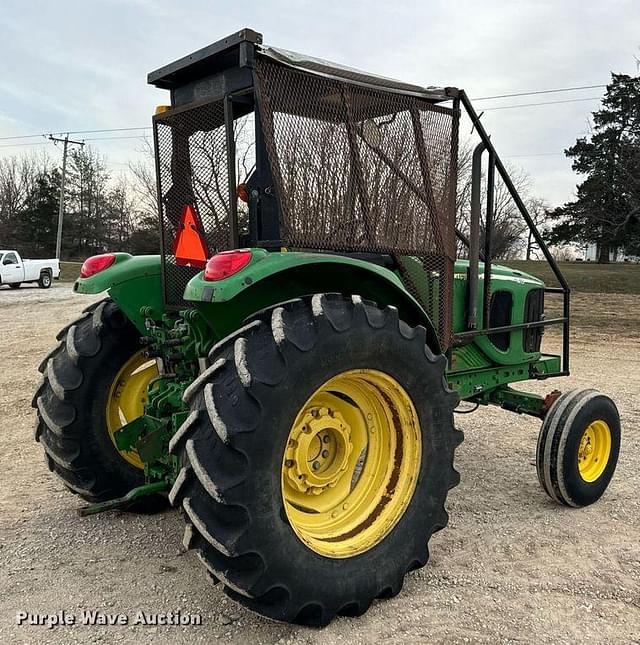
x=578, y=447
x=71, y=403
x=317, y=458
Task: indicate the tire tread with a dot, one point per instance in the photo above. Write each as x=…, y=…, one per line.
x=206, y=445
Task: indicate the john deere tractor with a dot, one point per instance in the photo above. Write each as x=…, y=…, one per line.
x=287, y=369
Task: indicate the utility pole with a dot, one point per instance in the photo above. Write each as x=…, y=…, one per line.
x=66, y=141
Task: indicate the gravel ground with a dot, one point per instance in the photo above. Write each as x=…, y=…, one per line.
x=511, y=566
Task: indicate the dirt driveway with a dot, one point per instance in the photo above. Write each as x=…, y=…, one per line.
x=511, y=566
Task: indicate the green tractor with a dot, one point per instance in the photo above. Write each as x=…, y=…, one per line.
x=287, y=369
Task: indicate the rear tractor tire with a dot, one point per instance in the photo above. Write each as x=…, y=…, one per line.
x=93, y=382
x=578, y=447
x=317, y=458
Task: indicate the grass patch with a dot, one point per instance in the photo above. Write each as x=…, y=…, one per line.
x=69, y=271
x=583, y=277
x=586, y=277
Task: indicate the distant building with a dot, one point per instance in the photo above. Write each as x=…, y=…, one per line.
x=591, y=253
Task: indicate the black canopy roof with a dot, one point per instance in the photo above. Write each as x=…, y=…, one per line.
x=229, y=52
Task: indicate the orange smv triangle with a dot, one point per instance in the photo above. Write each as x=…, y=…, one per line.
x=189, y=247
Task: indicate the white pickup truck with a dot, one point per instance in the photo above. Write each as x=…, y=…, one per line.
x=14, y=270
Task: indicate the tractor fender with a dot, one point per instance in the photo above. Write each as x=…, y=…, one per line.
x=133, y=282
x=273, y=277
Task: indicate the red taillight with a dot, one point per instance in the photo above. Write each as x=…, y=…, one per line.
x=225, y=264
x=96, y=263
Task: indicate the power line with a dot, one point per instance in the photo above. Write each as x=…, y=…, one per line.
x=33, y=136
x=23, y=136
x=122, y=163
x=34, y=143
x=140, y=136
x=524, y=105
x=532, y=93
x=534, y=154
x=500, y=107
x=481, y=98
x=146, y=127
x=45, y=143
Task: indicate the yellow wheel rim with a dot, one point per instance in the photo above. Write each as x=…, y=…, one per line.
x=594, y=451
x=351, y=463
x=127, y=396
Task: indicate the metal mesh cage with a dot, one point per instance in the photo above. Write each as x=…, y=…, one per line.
x=355, y=169
x=359, y=169
x=192, y=168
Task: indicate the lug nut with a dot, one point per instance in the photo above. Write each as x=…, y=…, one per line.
x=316, y=465
x=325, y=453
x=325, y=439
x=289, y=463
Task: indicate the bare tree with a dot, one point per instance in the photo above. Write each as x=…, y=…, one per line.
x=510, y=237
x=120, y=214
x=143, y=184
x=18, y=177
x=562, y=253
x=539, y=210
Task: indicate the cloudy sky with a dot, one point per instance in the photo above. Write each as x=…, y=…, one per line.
x=82, y=65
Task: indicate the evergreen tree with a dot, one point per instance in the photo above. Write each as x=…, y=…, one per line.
x=607, y=209
x=36, y=224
